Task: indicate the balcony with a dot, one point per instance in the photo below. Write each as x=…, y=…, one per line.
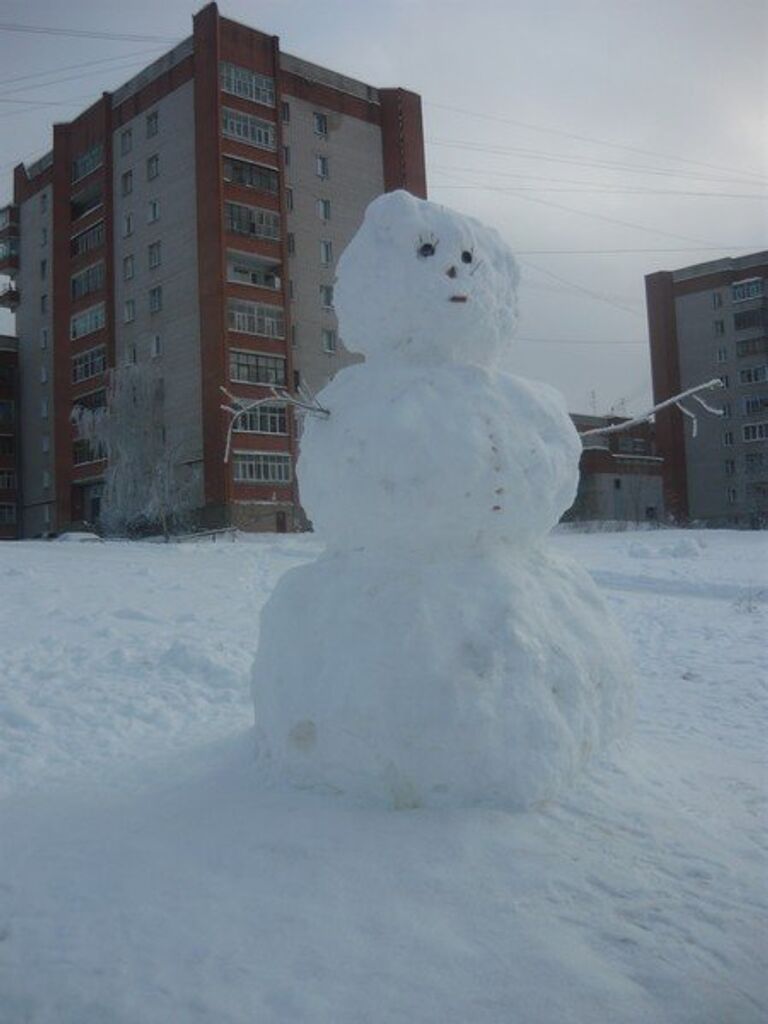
x=9, y=255
x=9, y=217
x=9, y=297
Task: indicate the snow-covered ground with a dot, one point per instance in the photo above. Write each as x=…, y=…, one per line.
x=149, y=874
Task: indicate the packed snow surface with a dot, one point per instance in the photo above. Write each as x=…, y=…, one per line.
x=149, y=872
x=448, y=656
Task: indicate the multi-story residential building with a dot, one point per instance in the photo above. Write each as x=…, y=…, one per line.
x=190, y=222
x=707, y=321
x=620, y=475
x=9, y=409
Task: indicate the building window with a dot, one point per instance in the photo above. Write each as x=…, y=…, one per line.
x=43, y=408
x=7, y=411
x=153, y=211
x=43, y=236
x=752, y=347
x=43, y=269
x=320, y=124
x=326, y=252
x=43, y=202
x=243, y=172
x=291, y=242
x=154, y=254
x=722, y=355
x=717, y=300
x=725, y=380
x=90, y=320
x=43, y=303
x=731, y=495
x=46, y=479
x=730, y=467
x=255, y=318
x=326, y=296
x=89, y=364
x=129, y=311
x=728, y=438
x=43, y=374
x=91, y=238
x=93, y=400
x=126, y=183
x=7, y=480
x=129, y=267
x=247, y=128
x=87, y=162
x=265, y=419
x=287, y=156
x=755, y=431
x=7, y=444
x=324, y=209
x=7, y=514
x=719, y=327
x=285, y=112
x=322, y=166
x=43, y=337
x=328, y=336
x=753, y=462
x=255, y=368
x=127, y=225
x=153, y=166
x=755, y=404
x=289, y=199
x=156, y=299
x=751, y=289
x=155, y=346
x=748, y=319
x=294, y=335
x=153, y=124
x=250, y=85
x=88, y=199
x=291, y=289
x=726, y=410
x=126, y=142
x=87, y=281
x=753, y=375
x=262, y=468
x=251, y=220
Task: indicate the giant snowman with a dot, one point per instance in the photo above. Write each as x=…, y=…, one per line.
x=438, y=652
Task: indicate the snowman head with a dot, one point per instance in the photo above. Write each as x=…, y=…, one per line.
x=423, y=284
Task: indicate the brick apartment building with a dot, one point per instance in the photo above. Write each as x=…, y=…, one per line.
x=620, y=475
x=706, y=321
x=191, y=221
x=9, y=411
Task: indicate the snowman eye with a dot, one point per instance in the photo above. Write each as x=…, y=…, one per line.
x=426, y=249
x=466, y=256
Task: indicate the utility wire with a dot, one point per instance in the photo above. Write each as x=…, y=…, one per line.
x=609, y=191
x=593, y=141
x=73, y=67
x=82, y=34
x=532, y=154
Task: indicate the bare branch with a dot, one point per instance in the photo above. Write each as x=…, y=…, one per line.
x=618, y=428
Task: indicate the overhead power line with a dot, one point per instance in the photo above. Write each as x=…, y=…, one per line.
x=593, y=141
x=112, y=64
x=562, y=158
x=46, y=30
x=608, y=191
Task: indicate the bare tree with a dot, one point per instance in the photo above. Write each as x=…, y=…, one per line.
x=144, y=483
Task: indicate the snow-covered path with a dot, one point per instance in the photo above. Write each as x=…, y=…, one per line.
x=148, y=875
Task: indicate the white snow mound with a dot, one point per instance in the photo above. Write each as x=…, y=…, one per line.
x=439, y=652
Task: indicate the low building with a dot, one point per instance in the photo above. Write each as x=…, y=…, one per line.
x=620, y=474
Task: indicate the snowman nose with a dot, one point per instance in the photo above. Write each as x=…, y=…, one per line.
x=451, y=272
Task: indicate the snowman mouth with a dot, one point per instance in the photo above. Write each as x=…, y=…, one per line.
x=459, y=298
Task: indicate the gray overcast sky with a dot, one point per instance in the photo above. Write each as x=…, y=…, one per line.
x=527, y=106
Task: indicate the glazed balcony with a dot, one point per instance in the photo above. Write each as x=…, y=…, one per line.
x=9, y=219
x=9, y=255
